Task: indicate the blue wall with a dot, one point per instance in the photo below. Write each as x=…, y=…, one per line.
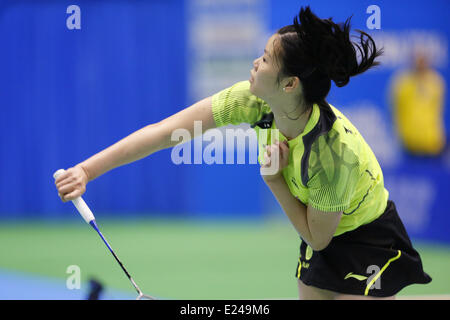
x=67, y=94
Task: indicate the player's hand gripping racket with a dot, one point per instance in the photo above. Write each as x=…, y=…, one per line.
x=87, y=215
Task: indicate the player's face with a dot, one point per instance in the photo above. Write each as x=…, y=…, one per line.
x=263, y=76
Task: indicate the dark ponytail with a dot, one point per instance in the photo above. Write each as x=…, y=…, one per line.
x=319, y=50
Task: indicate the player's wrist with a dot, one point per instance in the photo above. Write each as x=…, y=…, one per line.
x=85, y=171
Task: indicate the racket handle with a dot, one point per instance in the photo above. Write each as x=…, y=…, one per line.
x=83, y=209
x=79, y=203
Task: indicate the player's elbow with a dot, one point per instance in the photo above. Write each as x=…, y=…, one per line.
x=320, y=244
x=319, y=247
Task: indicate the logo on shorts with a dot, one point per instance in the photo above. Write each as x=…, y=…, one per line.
x=356, y=276
x=308, y=255
x=373, y=282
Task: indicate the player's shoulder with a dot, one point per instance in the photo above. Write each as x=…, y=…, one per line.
x=347, y=131
x=336, y=146
x=239, y=93
x=330, y=129
x=237, y=104
x=333, y=147
x=239, y=89
x=243, y=87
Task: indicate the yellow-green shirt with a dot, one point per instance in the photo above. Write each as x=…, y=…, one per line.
x=331, y=167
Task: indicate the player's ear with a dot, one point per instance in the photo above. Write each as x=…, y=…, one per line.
x=292, y=84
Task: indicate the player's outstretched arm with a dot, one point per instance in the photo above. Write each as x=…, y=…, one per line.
x=137, y=145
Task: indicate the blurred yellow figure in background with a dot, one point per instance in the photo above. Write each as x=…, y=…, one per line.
x=417, y=100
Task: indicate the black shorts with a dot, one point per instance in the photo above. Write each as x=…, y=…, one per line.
x=376, y=259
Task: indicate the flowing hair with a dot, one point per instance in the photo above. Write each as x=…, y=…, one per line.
x=319, y=51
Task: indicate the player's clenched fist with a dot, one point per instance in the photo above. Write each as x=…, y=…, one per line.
x=72, y=183
x=276, y=158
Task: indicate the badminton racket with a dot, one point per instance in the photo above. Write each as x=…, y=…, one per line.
x=88, y=216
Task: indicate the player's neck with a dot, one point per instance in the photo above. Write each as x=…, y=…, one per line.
x=291, y=119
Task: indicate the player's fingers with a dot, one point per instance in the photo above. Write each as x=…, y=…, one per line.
x=73, y=195
x=267, y=160
x=75, y=184
x=69, y=174
x=72, y=179
x=63, y=197
x=62, y=177
x=67, y=188
x=269, y=151
x=284, y=147
x=275, y=150
x=275, y=146
x=68, y=180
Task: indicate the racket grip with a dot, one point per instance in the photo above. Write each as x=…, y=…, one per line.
x=79, y=203
x=83, y=209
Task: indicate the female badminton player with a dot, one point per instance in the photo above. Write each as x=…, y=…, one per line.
x=328, y=182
